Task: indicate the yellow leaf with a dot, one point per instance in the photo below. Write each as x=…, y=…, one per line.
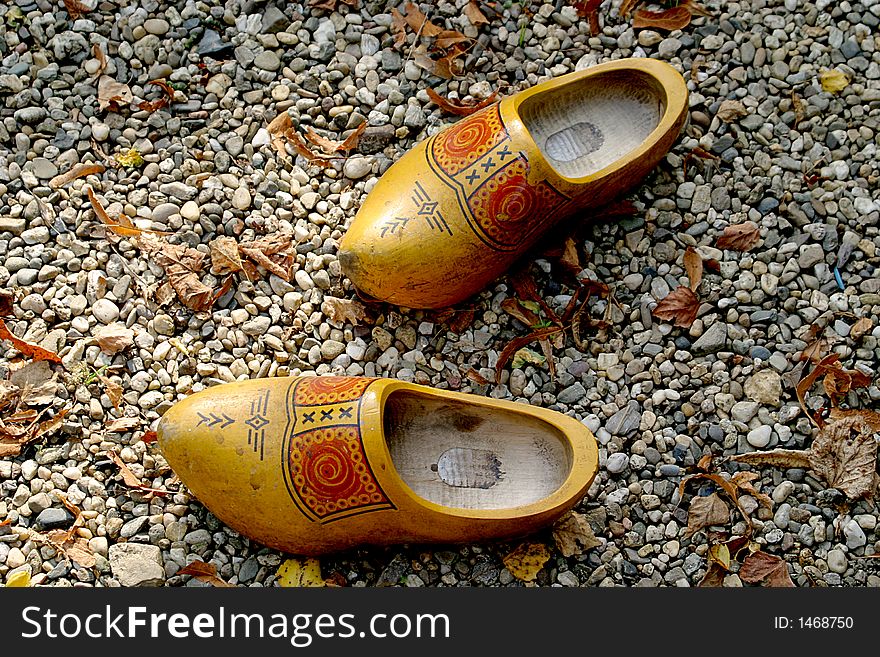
x=19, y=580
x=720, y=554
x=130, y=158
x=834, y=81
x=573, y=535
x=295, y=573
x=526, y=561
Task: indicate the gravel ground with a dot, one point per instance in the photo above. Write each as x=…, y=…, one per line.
x=801, y=163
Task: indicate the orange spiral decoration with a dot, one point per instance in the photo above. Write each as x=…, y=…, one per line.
x=329, y=472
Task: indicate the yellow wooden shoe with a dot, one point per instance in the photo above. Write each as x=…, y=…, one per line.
x=459, y=208
x=310, y=465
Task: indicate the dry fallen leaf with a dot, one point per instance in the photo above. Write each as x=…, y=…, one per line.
x=573, y=535
x=731, y=110
x=474, y=14
x=762, y=567
x=861, y=328
x=705, y=511
x=122, y=226
x=720, y=554
x=102, y=59
x=418, y=22
x=164, y=100
x=29, y=350
x=714, y=576
x=844, y=454
x=525, y=357
x=7, y=299
x=129, y=478
x=460, y=108
x=526, y=561
x=204, y=572
x=276, y=253
x=739, y=237
x=114, y=338
x=36, y=383
x=14, y=434
x=693, y=264
x=113, y=389
x=679, y=306
x=398, y=28
x=21, y=579
x=520, y=311
x=674, y=18
x=302, y=149
x=75, y=9
x=294, y=573
x=122, y=424
x=833, y=80
x=224, y=255
x=779, y=458
x=343, y=310
x=181, y=265
x=518, y=343
x=113, y=95
x=330, y=146
x=77, y=171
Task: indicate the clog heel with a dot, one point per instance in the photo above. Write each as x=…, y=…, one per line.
x=458, y=209
x=311, y=465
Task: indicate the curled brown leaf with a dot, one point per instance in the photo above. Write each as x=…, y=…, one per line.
x=460, y=108
x=739, y=237
x=679, y=306
x=674, y=18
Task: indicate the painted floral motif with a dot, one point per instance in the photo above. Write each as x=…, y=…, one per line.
x=508, y=209
x=459, y=146
x=475, y=159
x=327, y=472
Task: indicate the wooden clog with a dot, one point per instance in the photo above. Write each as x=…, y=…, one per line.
x=459, y=208
x=311, y=465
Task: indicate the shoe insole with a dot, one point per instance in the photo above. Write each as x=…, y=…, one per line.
x=587, y=125
x=461, y=456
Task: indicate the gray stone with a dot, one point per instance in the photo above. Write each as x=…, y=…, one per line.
x=759, y=437
x=157, y=26
x=854, y=534
x=53, y=518
x=836, y=561
x=134, y=526
x=572, y=394
x=713, y=340
x=267, y=60
x=136, y=564
x=625, y=421
x=811, y=254
x=617, y=463
x=274, y=20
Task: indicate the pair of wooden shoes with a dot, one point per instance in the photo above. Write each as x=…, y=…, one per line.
x=318, y=464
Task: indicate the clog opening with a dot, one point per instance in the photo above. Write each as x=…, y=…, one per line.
x=595, y=121
x=473, y=457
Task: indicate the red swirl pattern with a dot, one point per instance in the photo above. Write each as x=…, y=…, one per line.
x=330, y=389
x=462, y=144
x=329, y=471
x=508, y=209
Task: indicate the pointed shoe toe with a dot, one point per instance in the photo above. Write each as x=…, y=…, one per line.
x=459, y=208
x=311, y=465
